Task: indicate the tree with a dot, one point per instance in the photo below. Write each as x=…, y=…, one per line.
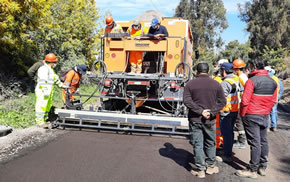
x=207, y=18
x=30, y=29
x=268, y=23
x=234, y=50
x=71, y=32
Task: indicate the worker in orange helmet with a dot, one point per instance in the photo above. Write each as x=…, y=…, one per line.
x=239, y=66
x=135, y=58
x=71, y=82
x=112, y=26
x=46, y=79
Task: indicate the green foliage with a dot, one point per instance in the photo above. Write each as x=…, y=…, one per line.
x=275, y=58
x=18, y=112
x=207, y=19
x=268, y=23
x=30, y=29
x=234, y=50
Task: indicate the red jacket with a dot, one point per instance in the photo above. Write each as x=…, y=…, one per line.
x=259, y=95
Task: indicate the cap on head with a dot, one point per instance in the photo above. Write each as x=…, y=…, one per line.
x=82, y=69
x=51, y=58
x=239, y=63
x=221, y=61
x=202, y=68
x=109, y=20
x=155, y=21
x=228, y=67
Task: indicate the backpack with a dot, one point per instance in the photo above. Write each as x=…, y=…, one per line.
x=63, y=73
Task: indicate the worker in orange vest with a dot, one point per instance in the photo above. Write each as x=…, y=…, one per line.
x=135, y=58
x=112, y=26
x=229, y=113
x=71, y=83
x=218, y=78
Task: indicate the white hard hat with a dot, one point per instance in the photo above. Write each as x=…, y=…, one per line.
x=268, y=68
x=221, y=61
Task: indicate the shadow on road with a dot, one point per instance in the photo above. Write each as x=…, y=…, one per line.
x=285, y=165
x=180, y=156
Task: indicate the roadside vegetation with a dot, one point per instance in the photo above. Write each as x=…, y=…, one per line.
x=19, y=112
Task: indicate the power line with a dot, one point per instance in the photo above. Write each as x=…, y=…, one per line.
x=154, y=6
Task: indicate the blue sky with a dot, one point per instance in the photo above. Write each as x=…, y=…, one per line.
x=129, y=9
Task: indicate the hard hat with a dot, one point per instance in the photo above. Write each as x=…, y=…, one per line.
x=155, y=21
x=221, y=61
x=238, y=63
x=109, y=20
x=51, y=58
x=136, y=22
x=82, y=69
x=227, y=66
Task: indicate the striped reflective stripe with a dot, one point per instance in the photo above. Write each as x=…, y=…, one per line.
x=263, y=94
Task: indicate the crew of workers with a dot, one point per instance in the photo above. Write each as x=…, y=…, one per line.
x=243, y=94
x=216, y=108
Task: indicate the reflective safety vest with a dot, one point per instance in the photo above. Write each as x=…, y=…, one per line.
x=233, y=99
x=116, y=29
x=218, y=79
x=278, y=84
x=139, y=32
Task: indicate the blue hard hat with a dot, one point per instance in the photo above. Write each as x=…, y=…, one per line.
x=155, y=21
x=227, y=66
x=82, y=69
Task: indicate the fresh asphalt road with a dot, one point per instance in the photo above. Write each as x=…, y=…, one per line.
x=91, y=156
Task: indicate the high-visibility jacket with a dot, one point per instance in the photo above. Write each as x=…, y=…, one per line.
x=116, y=29
x=243, y=78
x=140, y=32
x=46, y=78
x=72, y=79
x=233, y=98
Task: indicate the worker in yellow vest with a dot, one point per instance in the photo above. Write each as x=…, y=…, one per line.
x=136, y=30
x=280, y=89
x=229, y=113
x=239, y=66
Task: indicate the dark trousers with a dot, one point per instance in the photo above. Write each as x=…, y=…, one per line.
x=256, y=132
x=203, y=139
x=227, y=128
x=240, y=128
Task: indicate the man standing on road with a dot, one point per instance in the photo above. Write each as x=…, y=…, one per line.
x=239, y=66
x=259, y=97
x=280, y=90
x=204, y=97
x=229, y=113
x=46, y=78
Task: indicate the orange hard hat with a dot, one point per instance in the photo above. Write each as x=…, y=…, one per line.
x=51, y=58
x=109, y=20
x=238, y=63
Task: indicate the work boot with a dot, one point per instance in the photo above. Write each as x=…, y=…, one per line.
x=219, y=159
x=247, y=174
x=239, y=145
x=273, y=129
x=262, y=171
x=212, y=170
x=198, y=173
x=227, y=159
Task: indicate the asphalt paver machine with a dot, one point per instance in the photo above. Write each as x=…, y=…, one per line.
x=150, y=101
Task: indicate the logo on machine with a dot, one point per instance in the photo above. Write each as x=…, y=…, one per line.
x=141, y=45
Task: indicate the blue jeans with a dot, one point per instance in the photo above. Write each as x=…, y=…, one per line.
x=227, y=128
x=203, y=139
x=274, y=116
